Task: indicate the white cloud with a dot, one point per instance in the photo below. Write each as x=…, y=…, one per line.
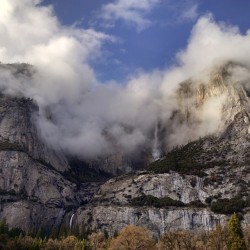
x=190, y=12
x=130, y=11
x=214, y=43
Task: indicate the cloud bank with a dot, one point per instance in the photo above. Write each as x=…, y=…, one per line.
x=91, y=119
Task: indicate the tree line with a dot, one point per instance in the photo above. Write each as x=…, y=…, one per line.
x=230, y=237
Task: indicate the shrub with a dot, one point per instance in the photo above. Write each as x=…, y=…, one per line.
x=228, y=206
x=149, y=200
x=180, y=159
x=196, y=203
x=208, y=200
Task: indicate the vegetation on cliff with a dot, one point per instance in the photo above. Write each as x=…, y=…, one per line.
x=191, y=159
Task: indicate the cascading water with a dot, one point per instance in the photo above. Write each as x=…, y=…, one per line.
x=156, y=153
x=71, y=220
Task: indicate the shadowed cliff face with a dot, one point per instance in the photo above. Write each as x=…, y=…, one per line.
x=18, y=131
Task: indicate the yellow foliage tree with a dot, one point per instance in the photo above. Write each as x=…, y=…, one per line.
x=132, y=238
x=71, y=242
x=97, y=241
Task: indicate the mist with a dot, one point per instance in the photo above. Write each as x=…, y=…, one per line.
x=88, y=118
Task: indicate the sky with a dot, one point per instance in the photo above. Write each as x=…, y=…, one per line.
x=148, y=33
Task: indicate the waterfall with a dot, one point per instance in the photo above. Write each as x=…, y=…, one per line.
x=156, y=153
x=71, y=220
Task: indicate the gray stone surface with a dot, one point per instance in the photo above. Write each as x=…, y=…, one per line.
x=114, y=218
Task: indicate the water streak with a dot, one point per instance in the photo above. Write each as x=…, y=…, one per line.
x=156, y=153
x=71, y=220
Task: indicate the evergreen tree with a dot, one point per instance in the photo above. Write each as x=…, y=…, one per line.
x=63, y=231
x=75, y=231
x=106, y=234
x=84, y=244
x=54, y=233
x=235, y=235
x=40, y=233
x=4, y=229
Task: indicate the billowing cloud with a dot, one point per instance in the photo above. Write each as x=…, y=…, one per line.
x=130, y=11
x=212, y=43
x=31, y=33
x=89, y=118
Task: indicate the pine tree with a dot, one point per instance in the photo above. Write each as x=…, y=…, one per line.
x=4, y=229
x=40, y=233
x=63, y=231
x=75, y=231
x=84, y=244
x=106, y=234
x=235, y=235
x=54, y=232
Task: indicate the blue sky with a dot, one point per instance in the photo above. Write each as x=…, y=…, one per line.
x=151, y=41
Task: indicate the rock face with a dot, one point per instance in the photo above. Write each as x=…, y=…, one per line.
x=111, y=207
x=158, y=221
x=33, y=191
x=119, y=163
x=211, y=106
x=31, y=216
x=26, y=178
x=218, y=182
x=18, y=131
x=39, y=187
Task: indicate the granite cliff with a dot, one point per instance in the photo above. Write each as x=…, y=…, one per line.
x=193, y=186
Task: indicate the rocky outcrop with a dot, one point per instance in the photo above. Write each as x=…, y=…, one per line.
x=114, y=218
x=18, y=131
x=30, y=216
x=208, y=105
x=219, y=83
x=26, y=178
x=218, y=182
x=31, y=194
